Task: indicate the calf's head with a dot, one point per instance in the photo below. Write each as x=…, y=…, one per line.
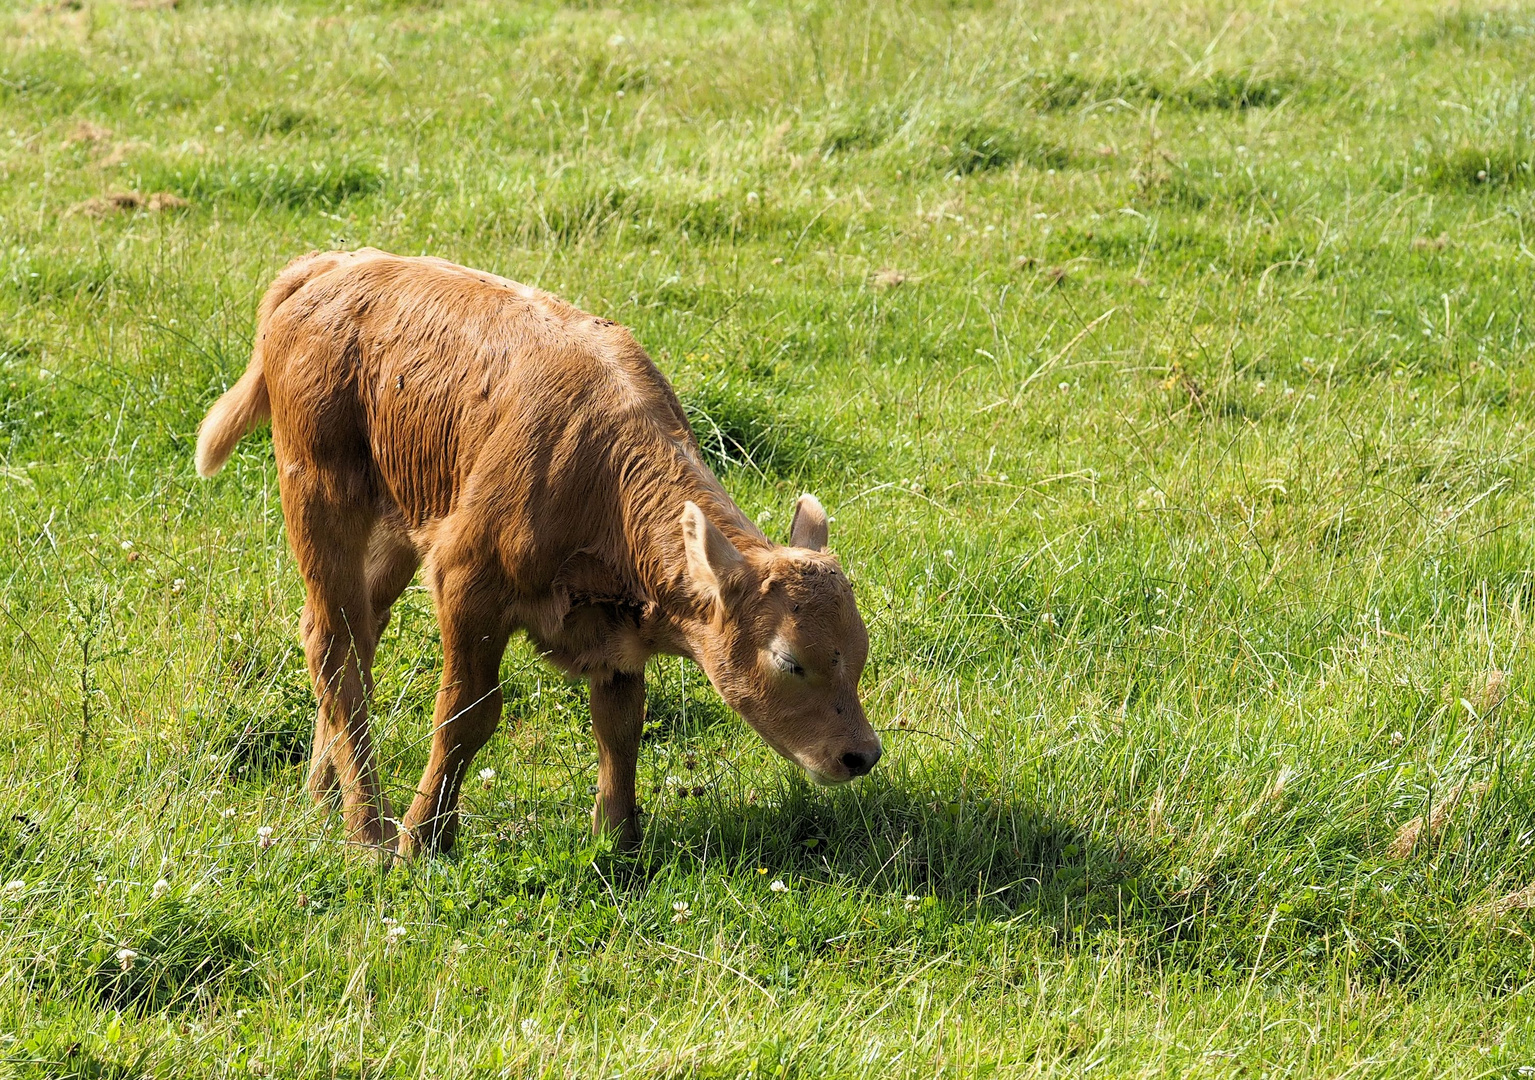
x=783, y=643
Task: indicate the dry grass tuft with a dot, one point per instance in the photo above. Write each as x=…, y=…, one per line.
x=119, y=154
x=1433, y=824
x=1521, y=900
x=87, y=132
x=120, y=201
x=889, y=279
x=1281, y=781
x=1489, y=691
x=1157, y=810
x=1431, y=243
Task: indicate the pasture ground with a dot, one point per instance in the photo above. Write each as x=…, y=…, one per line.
x=1167, y=371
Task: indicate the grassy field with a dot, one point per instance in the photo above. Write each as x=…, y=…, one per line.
x=1167, y=373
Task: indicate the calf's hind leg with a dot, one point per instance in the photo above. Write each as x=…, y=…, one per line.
x=391, y=563
x=329, y=539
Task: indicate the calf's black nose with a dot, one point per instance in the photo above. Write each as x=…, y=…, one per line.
x=859, y=764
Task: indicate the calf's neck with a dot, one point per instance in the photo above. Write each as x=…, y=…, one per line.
x=534, y=464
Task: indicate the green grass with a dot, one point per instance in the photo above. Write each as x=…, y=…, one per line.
x=1167, y=372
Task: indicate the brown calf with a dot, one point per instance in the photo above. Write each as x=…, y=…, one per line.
x=533, y=459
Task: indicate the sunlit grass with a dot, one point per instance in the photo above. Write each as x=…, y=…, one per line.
x=1166, y=373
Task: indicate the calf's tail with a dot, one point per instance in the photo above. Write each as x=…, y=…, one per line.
x=244, y=407
x=247, y=405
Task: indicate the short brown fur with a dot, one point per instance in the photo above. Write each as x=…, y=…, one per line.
x=533, y=460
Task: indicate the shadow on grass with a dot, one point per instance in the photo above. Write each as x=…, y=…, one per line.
x=995, y=856
x=962, y=870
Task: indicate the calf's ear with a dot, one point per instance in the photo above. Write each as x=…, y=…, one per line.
x=712, y=558
x=808, y=529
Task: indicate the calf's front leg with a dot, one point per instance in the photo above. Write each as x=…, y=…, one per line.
x=618, y=718
x=468, y=710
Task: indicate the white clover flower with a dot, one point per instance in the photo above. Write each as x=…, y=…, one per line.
x=778, y=885
x=14, y=889
x=178, y=585
x=488, y=777
x=125, y=958
x=229, y=811
x=160, y=888
x=913, y=902
x=264, y=838
x=529, y=1027
x=681, y=913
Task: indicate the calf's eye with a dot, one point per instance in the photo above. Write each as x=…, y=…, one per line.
x=790, y=665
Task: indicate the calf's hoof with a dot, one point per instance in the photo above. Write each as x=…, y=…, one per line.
x=374, y=830
x=407, y=848
x=425, y=838
x=625, y=831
